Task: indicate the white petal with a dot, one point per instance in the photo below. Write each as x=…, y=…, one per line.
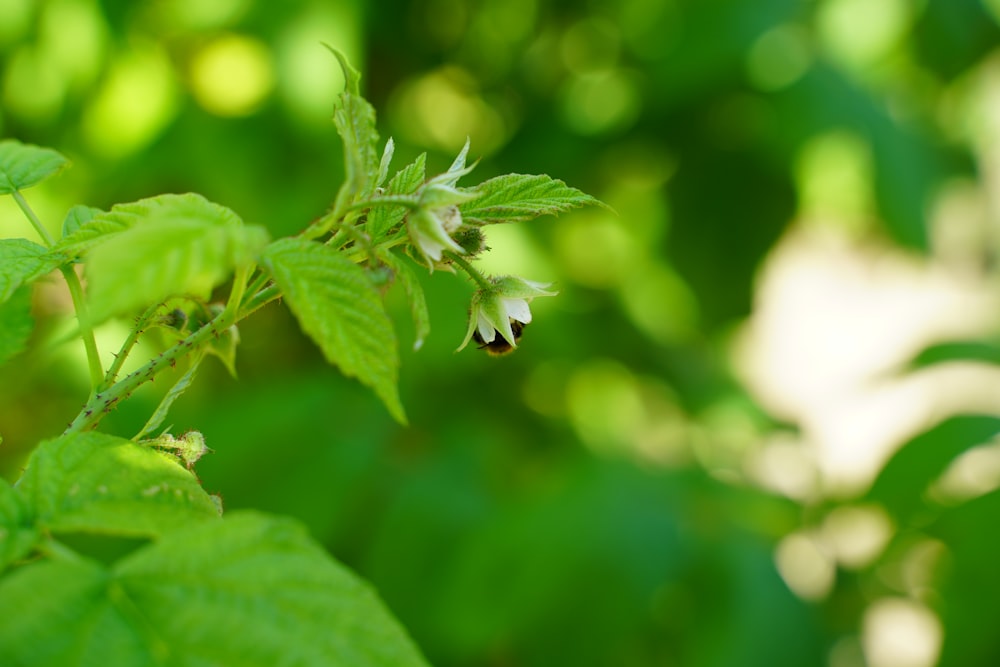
x=486, y=329
x=518, y=309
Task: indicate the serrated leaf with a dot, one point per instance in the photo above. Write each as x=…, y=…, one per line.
x=17, y=533
x=21, y=262
x=414, y=295
x=24, y=165
x=16, y=323
x=381, y=219
x=354, y=118
x=77, y=217
x=121, y=217
x=100, y=483
x=186, y=245
x=337, y=306
x=249, y=590
x=516, y=197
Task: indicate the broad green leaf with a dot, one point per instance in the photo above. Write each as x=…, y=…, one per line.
x=24, y=165
x=100, y=483
x=17, y=533
x=338, y=308
x=249, y=590
x=516, y=197
x=21, y=262
x=104, y=224
x=355, y=121
x=70, y=613
x=414, y=295
x=77, y=217
x=188, y=247
x=16, y=323
x=381, y=219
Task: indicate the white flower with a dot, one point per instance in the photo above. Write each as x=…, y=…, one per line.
x=503, y=309
x=430, y=232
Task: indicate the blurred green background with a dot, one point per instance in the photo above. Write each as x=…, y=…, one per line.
x=757, y=425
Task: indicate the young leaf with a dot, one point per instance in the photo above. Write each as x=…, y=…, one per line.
x=383, y=165
x=355, y=121
x=21, y=262
x=414, y=294
x=24, y=165
x=381, y=219
x=100, y=483
x=172, y=395
x=77, y=217
x=249, y=590
x=17, y=533
x=16, y=323
x=188, y=245
x=515, y=197
x=338, y=308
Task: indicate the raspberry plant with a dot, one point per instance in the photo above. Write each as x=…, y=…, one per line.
x=204, y=587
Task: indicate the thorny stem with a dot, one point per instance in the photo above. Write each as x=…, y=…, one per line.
x=472, y=271
x=126, y=348
x=102, y=402
x=76, y=294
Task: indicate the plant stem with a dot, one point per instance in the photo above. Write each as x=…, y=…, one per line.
x=133, y=337
x=76, y=294
x=35, y=222
x=473, y=272
x=102, y=402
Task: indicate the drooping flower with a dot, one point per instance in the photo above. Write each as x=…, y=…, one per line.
x=434, y=221
x=502, y=310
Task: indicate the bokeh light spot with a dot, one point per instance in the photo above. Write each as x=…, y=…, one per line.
x=594, y=248
x=16, y=19
x=34, y=87
x=834, y=175
x=74, y=32
x=591, y=44
x=602, y=101
x=779, y=57
x=807, y=570
x=900, y=633
x=201, y=15
x=135, y=102
x=857, y=534
x=232, y=75
x=858, y=33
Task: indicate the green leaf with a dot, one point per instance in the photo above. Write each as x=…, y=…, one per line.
x=414, y=295
x=381, y=219
x=355, y=121
x=249, y=590
x=17, y=533
x=516, y=197
x=16, y=323
x=185, y=245
x=21, y=262
x=77, y=217
x=175, y=392
x=337, y=306
x=100, y=483
x=24, y=165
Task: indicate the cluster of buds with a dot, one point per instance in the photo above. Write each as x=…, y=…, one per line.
x=499, y=309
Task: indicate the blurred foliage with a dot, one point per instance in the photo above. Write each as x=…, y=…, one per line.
x=597, y=497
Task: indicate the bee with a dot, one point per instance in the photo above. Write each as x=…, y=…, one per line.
x=499, y=346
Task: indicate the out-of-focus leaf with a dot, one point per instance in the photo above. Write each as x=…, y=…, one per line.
x=16, y=323
x=185, y=245
x=515, y=197
x=21, y=262
x=957, y=351
x=17, y=533
x=24, y=165
x=100, y=483
x=903, y=481
x=338, y=308
x=77, y=217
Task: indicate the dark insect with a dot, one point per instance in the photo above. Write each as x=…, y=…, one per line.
x=499, y=346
